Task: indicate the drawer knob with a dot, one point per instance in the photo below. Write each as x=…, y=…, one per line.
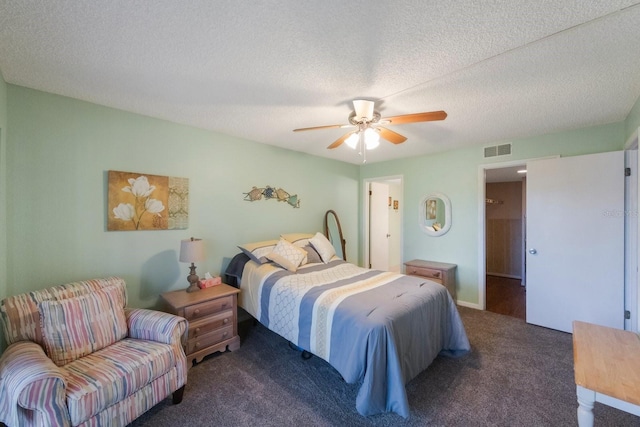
x=225, y=321
x=225, y=334
x=197, y=344
x=224, y=304
x=197, y=330
x=197, y=311
x=436, y=274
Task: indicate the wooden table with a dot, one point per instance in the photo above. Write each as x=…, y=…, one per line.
x=607, y=369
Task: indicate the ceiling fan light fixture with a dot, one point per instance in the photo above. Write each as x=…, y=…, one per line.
x=368, y=131
x=371, y=138
x=352, y=140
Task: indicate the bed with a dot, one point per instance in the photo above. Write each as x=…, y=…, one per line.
x=395, y=325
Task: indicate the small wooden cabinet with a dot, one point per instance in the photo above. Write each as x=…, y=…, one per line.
x=212, y=314
x=441, y=272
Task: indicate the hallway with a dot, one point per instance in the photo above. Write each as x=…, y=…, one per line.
x=506, y=296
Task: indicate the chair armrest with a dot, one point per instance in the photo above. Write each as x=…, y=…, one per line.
x=29, y=379
x=155, y=325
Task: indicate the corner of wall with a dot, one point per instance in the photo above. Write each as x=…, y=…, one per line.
x=632, y=122
x=3, y=194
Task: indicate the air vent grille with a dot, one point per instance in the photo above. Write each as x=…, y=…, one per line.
x=497, y=150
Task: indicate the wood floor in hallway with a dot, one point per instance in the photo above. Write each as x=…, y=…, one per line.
x=506, y=296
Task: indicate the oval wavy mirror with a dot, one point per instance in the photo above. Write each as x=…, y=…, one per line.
x=435, y=214
x=333, y=231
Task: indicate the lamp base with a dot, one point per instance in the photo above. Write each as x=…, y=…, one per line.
x=193, y=279
x=193, y=287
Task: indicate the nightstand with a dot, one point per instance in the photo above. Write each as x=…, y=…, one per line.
x=212, y=315
x=441, y=272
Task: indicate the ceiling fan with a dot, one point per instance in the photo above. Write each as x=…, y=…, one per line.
x=368, y=123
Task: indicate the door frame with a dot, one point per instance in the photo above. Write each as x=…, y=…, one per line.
x=482, y=242
x=366, y=209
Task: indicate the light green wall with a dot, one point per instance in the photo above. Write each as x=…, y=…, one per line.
x=59, y=151
x=55, y=153
x=632, y=123
x=455, y=173
x=3, y=188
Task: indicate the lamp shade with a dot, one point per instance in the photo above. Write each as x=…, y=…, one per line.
x=352, y=140
x=371, y=139
x=191, y=250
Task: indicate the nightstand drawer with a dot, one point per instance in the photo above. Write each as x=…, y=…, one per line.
x=201, y=327
x=209, y=339
x=208, y=308
x=435, y=275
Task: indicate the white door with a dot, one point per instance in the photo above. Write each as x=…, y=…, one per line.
x=575, y=241
x=379, y=226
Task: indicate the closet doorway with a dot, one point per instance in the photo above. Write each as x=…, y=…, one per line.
x=505, y=228
x=383, y=223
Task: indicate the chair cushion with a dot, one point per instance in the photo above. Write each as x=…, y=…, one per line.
x=75, y=327
x=20, y=315
x=108, y=376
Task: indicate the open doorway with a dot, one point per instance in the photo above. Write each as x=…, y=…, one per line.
x=383, y=205
x=505, y=227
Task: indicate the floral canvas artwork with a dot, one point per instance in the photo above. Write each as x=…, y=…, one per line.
x=147, y=202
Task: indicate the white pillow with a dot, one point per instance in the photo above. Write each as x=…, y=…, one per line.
x=323, y=246
x=287, y=255
x=298, y=239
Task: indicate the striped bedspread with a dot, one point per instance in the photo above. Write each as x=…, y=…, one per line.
x=374, y=327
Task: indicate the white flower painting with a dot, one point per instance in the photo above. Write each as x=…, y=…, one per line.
x=140, y=202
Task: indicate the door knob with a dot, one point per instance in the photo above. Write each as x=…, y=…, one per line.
x=532, y=251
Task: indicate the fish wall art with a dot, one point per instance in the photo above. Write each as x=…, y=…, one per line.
x=272, y=193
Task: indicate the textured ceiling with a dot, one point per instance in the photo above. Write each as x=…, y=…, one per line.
x=500, y=69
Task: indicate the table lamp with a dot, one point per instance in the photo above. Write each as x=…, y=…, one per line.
x=192, y=250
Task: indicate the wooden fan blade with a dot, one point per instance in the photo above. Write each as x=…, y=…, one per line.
x=417, y=117
x=338, y=142
x=391, y=136
x=323, y=127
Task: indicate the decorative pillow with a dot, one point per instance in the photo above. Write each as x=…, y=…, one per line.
x=257, y=251
x=78, y=326
x=323, y=246
x=287, y=255
x=312, y=255
x=298, y=239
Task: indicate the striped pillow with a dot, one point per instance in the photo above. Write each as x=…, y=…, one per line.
x=75, y=327
x=258, y=250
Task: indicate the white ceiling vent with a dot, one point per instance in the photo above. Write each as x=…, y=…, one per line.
x=497, y=150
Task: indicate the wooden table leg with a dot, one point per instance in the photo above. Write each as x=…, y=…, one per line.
x=586, y=399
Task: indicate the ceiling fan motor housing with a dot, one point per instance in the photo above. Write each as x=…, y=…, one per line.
x=363, y=110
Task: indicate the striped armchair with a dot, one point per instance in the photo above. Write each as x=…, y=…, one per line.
x=78, y=357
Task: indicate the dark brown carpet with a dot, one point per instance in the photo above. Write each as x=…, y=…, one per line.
x=515, y=375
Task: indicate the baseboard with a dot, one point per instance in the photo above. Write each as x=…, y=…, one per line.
x=469, y=304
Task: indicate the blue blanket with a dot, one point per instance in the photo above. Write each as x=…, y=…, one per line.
x=374, y=327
